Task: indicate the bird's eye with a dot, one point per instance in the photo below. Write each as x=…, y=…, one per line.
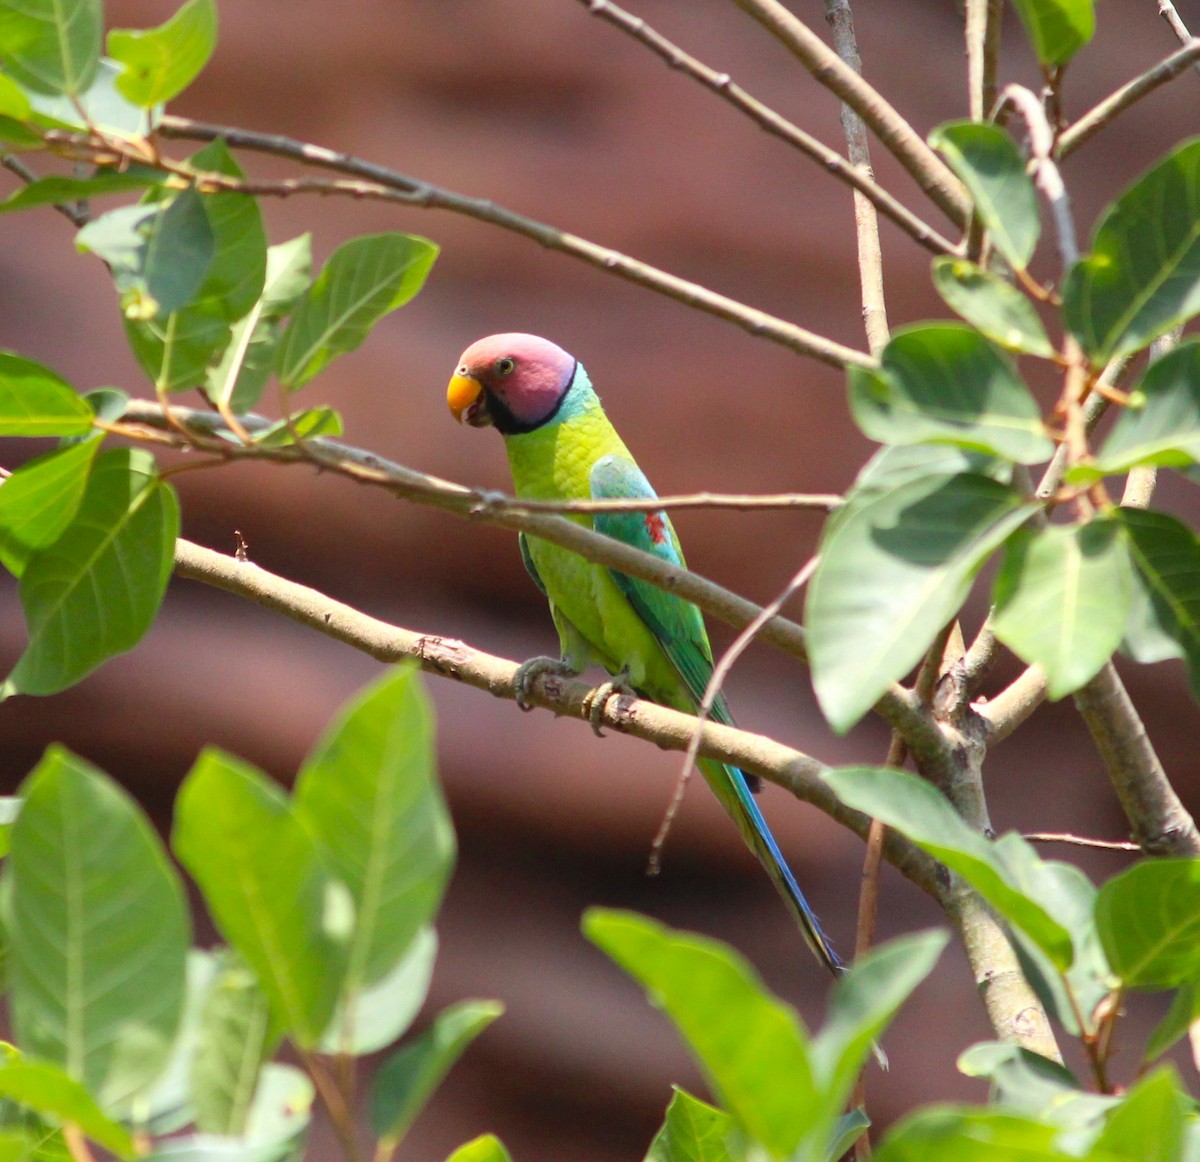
x=504, y=365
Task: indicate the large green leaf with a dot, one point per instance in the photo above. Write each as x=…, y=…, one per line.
x=176, y=352
x=1165, y=618
x=693, y=1131
x=1148, y=918
x=863, y=1004
x=14, y=101
x=943, y=1133
x=919, y=811
x=989, y=164
x=1057, y=29
x=1149, y=1124
x=101, y=106
x=52, y=46
x=1165, y=428
x=96, y=590
x=97, y=928
x=161, y=62
x=1063, y=596
x=1142, y=277
x=370, y=794
x=374, y=1017
x=266, y=885
x=995, y=307
x=34, y=401
x=363, y=280
x=945, y=383
x=752, y=1047
x=52, y=1094
x=40, y=499
x=1182, y=1020
x=159, y=252
x=895, y=567
x=55, y=190
x=232, y=1038
x=407, y=1079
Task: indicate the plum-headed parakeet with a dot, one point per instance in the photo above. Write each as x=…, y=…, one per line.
x=562, y=447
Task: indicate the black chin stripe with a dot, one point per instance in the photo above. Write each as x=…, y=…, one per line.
x=508, y=425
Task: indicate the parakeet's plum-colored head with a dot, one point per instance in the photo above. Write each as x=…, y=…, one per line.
x=516, y=382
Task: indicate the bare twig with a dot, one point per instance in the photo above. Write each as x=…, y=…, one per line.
x=983, y=52
x=893, y=131
x=1126, y=96
x=1167, y=11
x=1080, y=841
x=866, y=222
x=744, y=502
x=449, y=658
x=773, y=122
x=415, y=192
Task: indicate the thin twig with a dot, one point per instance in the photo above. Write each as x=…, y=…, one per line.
x=1126, y=96
x=1167, y=11
x=773, y=122
x=866, y=221
x=445, y=657
x=1079, y=841
x=983, y=20
x=415, y=192
x=745, y=502
x=892, y=129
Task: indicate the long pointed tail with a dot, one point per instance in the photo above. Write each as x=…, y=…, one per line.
x=730, y=786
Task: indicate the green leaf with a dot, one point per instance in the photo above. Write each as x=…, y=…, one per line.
x=34, y=401
x=1142, y=277
x=232, y=1040
x=693, y=1131
x=1057, y=29
x=864, y=1003
x=1148, y=1125
x=1063, y=596
x=177, y=351
x=1165, y=621
x=58, y=190
x=994, y=306
x=44, y=1088
x=369, y=793
x=752, y=1047
x=407, y=1079
x=1165, y=429
x=40, y=499
x=486, y=1148
x=376, y=1016
x=100, y=107
x=265, y=883
x=52, y=46
x=899, y=464
x=239, y=378
x=919, y=811
x=92, y=912
x=1148, y=918
x=305, y=425
x=161, y=62
x=967, y=1134
x=989, y=164
x=159, y=252
x=1182, y=1020
x=945, y=383
x=895, y=567
x=363, y=280
x=847, y=1130
x=96, y=590
x=14, y=102
x=10, y=808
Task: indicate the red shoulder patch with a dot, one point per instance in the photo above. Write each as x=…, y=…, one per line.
x=656, y=527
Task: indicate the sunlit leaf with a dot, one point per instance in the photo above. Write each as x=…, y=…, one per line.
x=52, y=46
x=34, y=401
x=159, y=63
x=994, y=306
x=693, y=1131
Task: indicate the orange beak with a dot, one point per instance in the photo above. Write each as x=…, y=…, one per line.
x=462, y=393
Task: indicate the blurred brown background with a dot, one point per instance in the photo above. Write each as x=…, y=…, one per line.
x=544, y=109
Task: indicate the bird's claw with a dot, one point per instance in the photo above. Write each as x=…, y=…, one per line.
x=530, y=671
x=595, y=700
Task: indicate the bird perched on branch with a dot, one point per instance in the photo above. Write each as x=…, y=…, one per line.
x=562, y=447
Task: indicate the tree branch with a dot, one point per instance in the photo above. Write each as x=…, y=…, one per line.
x=773, y=122
x=1126, y=96
x=983, y=52
x=414, y=192
x=449, y=658
x=893, y=131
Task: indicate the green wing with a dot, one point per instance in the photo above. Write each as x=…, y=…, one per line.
x=677, y=625
x=529, y=565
